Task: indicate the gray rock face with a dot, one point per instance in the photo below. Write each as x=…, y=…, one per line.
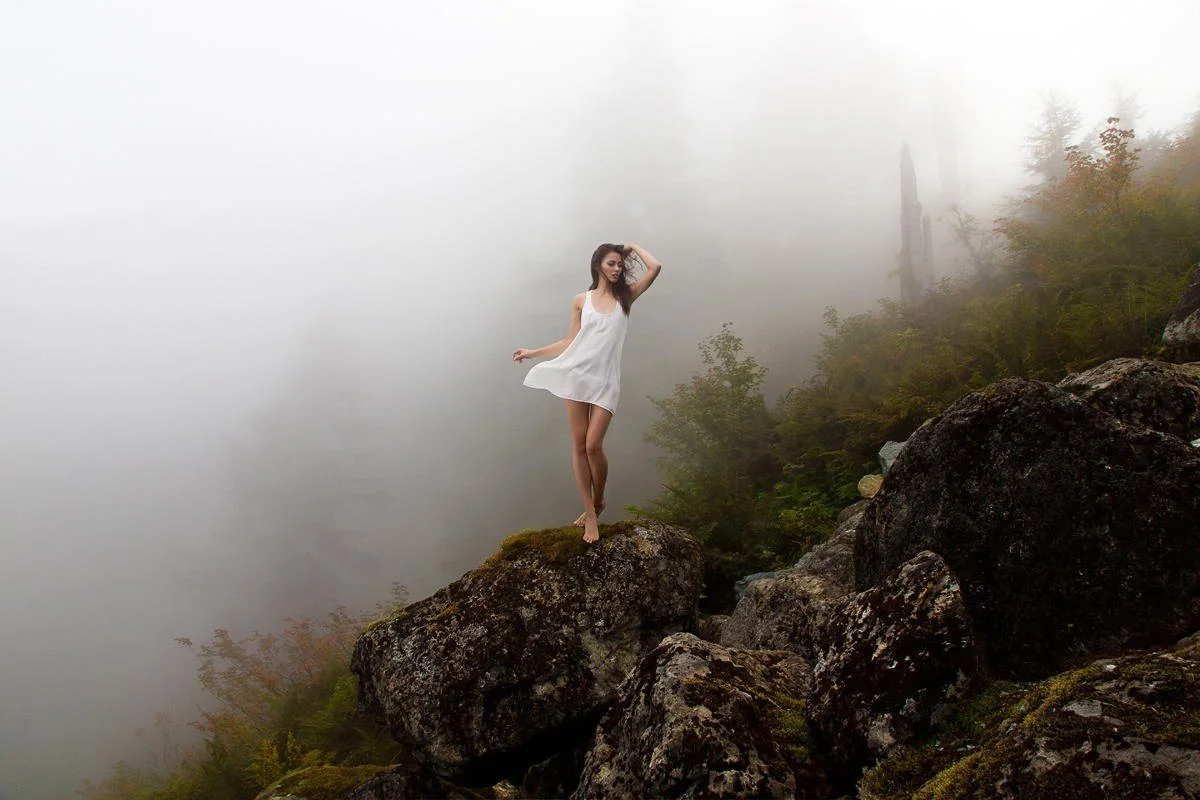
x=1183, y=329
x=710, y=627
x=851, y=510
x=789, y=611
x=498, y=667
x=740, y=587
x=888, y=453
x=401, y=784
x=393, y=782
x=1162, y=396
x=1069, y=532
x=700, y=720
x=893, y=659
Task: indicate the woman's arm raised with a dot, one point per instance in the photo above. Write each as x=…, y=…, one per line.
x=554, y=350
x=653, y=267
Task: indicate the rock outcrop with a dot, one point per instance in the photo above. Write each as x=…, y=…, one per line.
x=517, y=659
x=1183, y=329
x=393, y=782
x=894, y=658
x=1125, y=727
x=789, y=609
x=699, y=720
x=1071, y=533
x=1162, y=396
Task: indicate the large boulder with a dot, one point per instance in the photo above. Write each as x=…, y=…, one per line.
x=894, y=660
x=788, y=609
x=700, y=720
x=1159, y=395
x=393, y=782
x=1070, y=532
x=1183, y=329
x=517, y=659
x=1124, y=727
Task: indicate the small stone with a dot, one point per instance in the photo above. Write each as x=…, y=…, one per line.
x=888, y=453
x=868, y=485
x=1085, y=708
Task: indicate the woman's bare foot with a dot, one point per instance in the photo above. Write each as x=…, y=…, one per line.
x=599, y=507
x=591, y=529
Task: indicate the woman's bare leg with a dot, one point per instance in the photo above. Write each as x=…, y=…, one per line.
x=577, y=418
x=598, y=421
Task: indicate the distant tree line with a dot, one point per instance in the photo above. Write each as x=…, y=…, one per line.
x=1087, y=267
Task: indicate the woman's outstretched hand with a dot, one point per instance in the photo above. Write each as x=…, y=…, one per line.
x=520, y=354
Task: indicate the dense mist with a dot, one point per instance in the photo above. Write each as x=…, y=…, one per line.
x=264, y=266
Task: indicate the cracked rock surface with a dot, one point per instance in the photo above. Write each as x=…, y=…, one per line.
x=517, y=658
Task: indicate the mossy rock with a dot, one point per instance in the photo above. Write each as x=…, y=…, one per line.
x=696, y=719
x=556, y=545
x=517, y=658
x=320, y=783
x=1125, y=727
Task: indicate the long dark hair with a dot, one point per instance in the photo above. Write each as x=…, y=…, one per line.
x=621, y=287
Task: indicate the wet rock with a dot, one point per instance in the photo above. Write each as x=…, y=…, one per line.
x=893, y=660
x=1182, y=332
x=1162, y=396
x=789, y=611
x=700, y=720
x=1070, y=532
x=518, y=658
x=1125, y=728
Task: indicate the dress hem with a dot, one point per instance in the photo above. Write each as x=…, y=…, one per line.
x=612, y=411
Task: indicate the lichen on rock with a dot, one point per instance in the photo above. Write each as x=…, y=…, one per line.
x=894, y=660
x=1125, y=727
x=699, y=720
x=789, y=609
x=1156, y=394
x=520, y=656
x=1070, y=532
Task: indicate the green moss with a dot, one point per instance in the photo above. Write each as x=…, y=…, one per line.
x=953, y=782
x=555, y=545
x=956, y=739
x=450, y=610
x=789, y=724
x=377, y=622
x=323, y=783
x=977, y=745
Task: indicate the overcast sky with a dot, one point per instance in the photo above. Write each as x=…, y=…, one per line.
x=209, y=209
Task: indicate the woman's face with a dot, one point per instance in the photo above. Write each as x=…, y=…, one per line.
x=611, y=266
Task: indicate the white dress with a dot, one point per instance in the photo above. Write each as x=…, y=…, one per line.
x=589, y=370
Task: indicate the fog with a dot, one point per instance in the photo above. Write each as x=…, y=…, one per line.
x=264, y=266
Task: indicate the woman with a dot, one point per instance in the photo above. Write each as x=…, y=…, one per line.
x=585, y=369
